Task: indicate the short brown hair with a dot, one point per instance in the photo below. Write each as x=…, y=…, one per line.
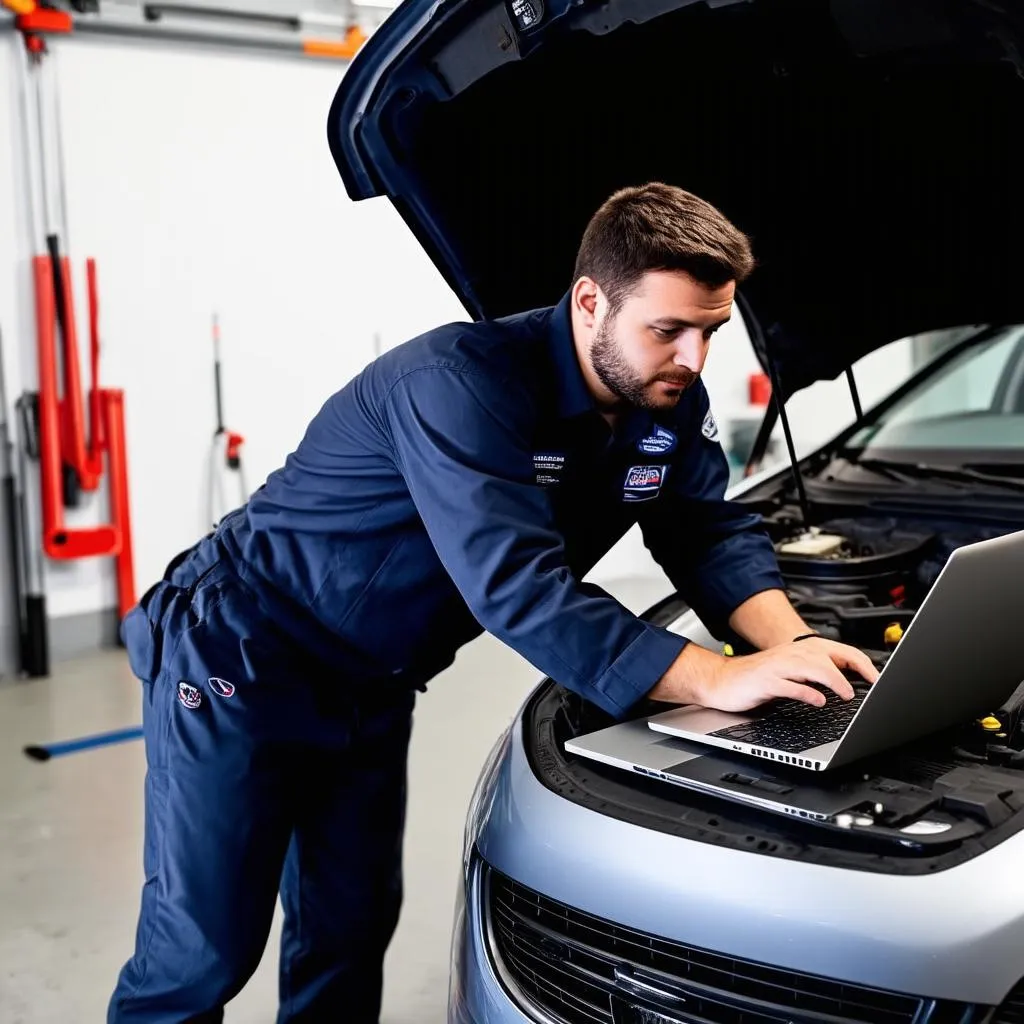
x=660, y=227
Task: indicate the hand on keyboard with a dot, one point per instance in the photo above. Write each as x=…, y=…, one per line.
x=699, y=676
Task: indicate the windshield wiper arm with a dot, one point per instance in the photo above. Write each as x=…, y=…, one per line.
x=886, y=469
x=908, y=472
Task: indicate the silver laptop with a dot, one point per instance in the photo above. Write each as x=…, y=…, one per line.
x=962, y=655
x=635, y=748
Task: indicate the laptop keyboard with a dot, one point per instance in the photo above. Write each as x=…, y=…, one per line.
x=793, y=726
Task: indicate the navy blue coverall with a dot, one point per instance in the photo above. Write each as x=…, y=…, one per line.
x=462, y=482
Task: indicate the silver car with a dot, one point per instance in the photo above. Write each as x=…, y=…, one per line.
x=870, y=149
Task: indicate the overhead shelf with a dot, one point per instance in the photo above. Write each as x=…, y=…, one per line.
x=304, y=28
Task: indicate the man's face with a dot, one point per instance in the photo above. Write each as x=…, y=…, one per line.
x=654, y=347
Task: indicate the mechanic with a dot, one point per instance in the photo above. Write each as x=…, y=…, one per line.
x=464, y=481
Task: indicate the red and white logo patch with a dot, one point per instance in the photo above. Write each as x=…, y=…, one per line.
x=643, y=482
x=190, y=696
x=221, y=686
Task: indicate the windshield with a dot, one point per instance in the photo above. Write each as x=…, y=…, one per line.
x=975, y=403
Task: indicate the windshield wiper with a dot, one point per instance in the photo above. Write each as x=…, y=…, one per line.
x=910, y=472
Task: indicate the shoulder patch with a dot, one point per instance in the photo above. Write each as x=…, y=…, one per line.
x=709, y=428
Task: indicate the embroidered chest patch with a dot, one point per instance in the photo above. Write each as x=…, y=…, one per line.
x=660, y=442
x=643, y=482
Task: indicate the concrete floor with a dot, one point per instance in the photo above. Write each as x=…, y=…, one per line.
x=71, y=834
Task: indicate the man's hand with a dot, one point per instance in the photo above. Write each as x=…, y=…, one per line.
x=699, y=676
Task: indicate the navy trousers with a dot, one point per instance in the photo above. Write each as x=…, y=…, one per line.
x=263, y=776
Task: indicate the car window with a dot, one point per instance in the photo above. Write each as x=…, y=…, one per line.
x=975, y=401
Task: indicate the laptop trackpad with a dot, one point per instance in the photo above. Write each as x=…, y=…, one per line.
x=700, y=721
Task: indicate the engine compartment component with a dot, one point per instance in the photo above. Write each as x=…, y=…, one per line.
x=861, y=580
x=813, y=543
x=848, y=549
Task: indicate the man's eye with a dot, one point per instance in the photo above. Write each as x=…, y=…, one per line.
x=664, y=332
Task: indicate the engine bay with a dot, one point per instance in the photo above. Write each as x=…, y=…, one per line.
x=861, y=580
x=858, y=580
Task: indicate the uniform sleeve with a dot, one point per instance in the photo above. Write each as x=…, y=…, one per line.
x=715, y=552
x=461, y=440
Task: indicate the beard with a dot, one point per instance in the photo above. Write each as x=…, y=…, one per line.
x=622, y=380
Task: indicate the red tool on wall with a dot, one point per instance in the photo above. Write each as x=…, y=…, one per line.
x=68, y=463
x=71, y=462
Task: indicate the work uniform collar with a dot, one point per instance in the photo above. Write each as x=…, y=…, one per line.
x=574, y=397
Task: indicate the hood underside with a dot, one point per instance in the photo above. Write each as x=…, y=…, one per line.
x=868, y=147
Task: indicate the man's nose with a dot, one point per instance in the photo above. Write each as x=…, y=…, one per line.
x=691, y=350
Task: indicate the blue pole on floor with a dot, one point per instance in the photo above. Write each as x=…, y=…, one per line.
x=103, y=739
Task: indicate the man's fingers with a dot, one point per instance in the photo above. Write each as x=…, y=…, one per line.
x=818, y=668
x=850, y=657
x=794, y=691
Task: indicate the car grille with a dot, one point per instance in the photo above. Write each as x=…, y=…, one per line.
x=1011, y=1010
x=566, y=962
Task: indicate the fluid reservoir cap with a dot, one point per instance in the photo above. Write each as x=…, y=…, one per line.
x=893, y=633
x=991, y=724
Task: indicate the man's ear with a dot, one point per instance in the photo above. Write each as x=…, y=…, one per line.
x=585, y=297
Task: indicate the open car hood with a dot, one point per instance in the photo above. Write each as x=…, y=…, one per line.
x=869, y=147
